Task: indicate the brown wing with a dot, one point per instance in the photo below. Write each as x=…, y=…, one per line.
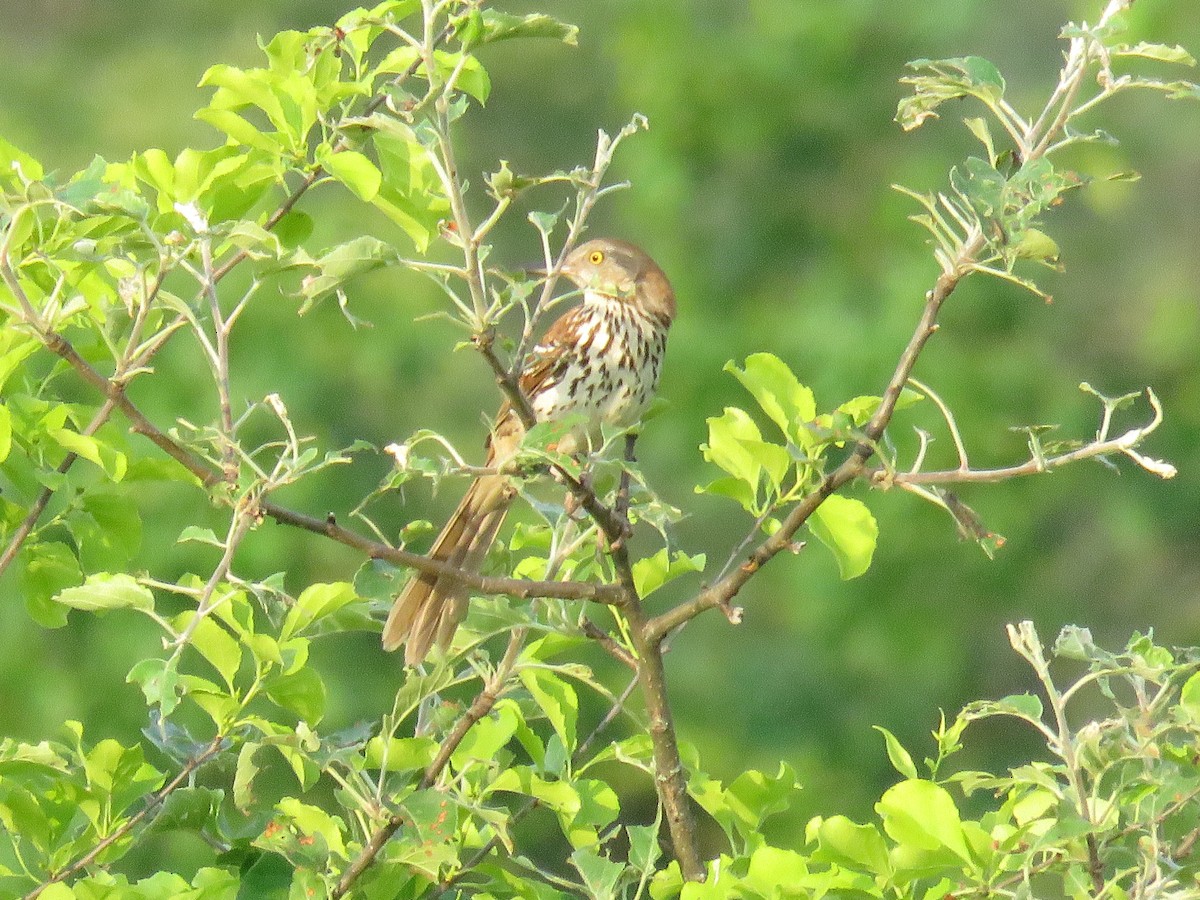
x=431, y=606
x=550, y=355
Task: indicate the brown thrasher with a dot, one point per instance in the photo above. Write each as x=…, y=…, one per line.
x=600, y=360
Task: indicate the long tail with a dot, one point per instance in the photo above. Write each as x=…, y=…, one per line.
x=431, y=606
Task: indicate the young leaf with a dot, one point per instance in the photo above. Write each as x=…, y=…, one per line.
x=938, y=81
x=923, y=815
x=724, y=448
x=103, y=591
x=841, y=841
x=355, y=171
x=788, y=403
x=557, y=699
x=159, y=681
x=500, y=26
x=301, y=692
x=652, y=572
x=846, y=526
x=1158, y=52
x=900, y=758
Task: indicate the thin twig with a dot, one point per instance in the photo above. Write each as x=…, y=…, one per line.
x=221, y=331
x=1098, y=449
x=963, y=462
x=243, y=519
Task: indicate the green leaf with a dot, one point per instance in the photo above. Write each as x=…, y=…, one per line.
x=1021, y=706
x=900, y=758
x=400, y=754
x=644, y=850
x=5, y=432
x=788, y=403
x=557, y=700
x=214, y=643
x=110, y=532
x=1189, y=698
x=844, y=842
x=411, y=195
x=501, y=26
x=355, y=171
x=239, y=130
x=103, y=591
x=598, y=808
x=189, y=809
x=846, y=526
x=294, y=228
x=110, y=461
x=472, y=78
x=244, y=774
x=733, y=488
x=755, y=796
x=725, y=449
x=159, y=681
x=742, y=807
x=600, y=874
x=287, y=98
x=346, y=261
x=49, y=568
x=199, y=535
x=923, y=815
x=316, y=602
x=312, y=821
x=14, y=161
x=652, y=572
x=1159, y=52
x=979, y=128
x=301, y=692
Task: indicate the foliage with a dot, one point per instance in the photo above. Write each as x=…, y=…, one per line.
x=102, y=270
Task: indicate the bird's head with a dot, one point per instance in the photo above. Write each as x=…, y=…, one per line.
x=621, y=271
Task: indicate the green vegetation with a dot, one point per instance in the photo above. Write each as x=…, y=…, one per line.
x=228, y=393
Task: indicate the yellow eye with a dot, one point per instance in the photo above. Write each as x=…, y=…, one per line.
x=596, y=257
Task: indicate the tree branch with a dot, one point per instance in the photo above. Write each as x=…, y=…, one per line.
x=520, y=588
x=155, y=801
x=721, y=593
x=533, y=803
x=493, y=690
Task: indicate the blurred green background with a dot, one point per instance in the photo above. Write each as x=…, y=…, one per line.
x=762, y=188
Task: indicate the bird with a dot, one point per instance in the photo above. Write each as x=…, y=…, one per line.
x=597, y=364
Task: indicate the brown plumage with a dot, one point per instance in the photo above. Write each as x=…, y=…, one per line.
x=600, y=360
